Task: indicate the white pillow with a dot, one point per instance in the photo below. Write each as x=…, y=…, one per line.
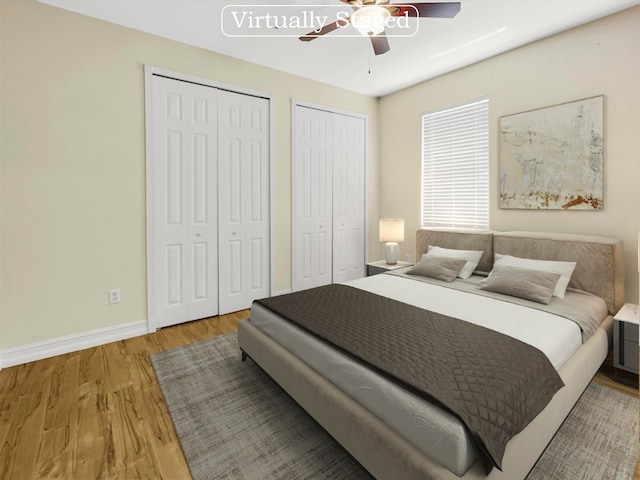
x=471, y=256
x=565, y=269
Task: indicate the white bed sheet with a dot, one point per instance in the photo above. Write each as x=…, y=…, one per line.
x=433, y=430
x=556, y=336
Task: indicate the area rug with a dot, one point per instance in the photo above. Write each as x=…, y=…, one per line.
x=234, y=422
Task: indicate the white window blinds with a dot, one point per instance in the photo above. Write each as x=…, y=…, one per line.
x=455, y=166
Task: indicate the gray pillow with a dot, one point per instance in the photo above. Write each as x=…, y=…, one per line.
x=472, y=257
x=565, y=269
x=526, y=283
x=441, y=268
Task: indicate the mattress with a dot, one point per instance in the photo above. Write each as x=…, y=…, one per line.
x=434, y=431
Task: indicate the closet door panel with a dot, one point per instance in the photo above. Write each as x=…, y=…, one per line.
x=348, y=198
x=183, y=184
x=203, y=218
x=243, y=190
x=312, y=178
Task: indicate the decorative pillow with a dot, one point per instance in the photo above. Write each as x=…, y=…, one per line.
x=472, y=257
x=565, y=269
x=441, y=268
x=526, y=283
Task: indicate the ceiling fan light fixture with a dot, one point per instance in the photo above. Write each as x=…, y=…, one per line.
x=370, y=19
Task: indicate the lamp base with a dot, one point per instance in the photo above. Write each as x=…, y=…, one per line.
x=391, y=253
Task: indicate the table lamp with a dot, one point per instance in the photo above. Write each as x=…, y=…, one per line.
x=391, y=232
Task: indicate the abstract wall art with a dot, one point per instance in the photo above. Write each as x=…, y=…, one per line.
x=553, y=158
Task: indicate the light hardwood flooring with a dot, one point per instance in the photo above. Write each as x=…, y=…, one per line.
x=99, y=413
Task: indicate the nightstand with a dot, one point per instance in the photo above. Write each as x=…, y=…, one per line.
x=374, y=268
x=625, y=338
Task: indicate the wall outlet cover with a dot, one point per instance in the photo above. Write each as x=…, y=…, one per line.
x=114, y=295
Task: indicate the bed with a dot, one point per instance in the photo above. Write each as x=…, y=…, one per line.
x=394, y=431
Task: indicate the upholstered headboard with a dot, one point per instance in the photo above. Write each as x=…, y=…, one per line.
x=599, y=260
x=459, y=239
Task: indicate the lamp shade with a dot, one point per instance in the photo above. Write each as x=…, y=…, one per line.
x=392, y=229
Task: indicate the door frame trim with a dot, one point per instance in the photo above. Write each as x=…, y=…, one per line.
x=149, y=72
x=325, y=108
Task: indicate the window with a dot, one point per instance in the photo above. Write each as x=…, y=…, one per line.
x=455, y=166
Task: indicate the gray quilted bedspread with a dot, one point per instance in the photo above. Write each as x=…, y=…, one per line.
x=494, y=383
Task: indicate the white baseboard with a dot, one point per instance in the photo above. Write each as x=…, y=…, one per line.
x=71, y=343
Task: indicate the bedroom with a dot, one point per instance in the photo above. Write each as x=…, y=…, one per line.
x=73, y=198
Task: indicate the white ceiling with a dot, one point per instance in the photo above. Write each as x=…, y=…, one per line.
x=482, y=29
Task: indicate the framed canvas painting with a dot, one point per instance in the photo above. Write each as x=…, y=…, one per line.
x=553, y=158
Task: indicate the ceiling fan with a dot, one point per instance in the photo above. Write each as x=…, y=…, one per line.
x=371, y=16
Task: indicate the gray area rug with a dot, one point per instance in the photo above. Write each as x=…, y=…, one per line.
x=234, y=422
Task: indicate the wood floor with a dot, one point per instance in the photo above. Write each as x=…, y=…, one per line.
x=99, y=413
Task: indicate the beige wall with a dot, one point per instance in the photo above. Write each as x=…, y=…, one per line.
x=601, y=58
x=72, y=204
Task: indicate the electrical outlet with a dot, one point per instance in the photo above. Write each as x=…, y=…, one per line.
x=114, y=295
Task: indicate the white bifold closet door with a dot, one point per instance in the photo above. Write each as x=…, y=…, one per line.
x=349, y=236
x=328, y=198
x=185, y=212
x=312, y=185
x=210, y=201
x=243, y=193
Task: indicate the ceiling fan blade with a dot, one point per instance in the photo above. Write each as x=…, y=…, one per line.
x=437, y=10
x=324, y=30
x=380, y=43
